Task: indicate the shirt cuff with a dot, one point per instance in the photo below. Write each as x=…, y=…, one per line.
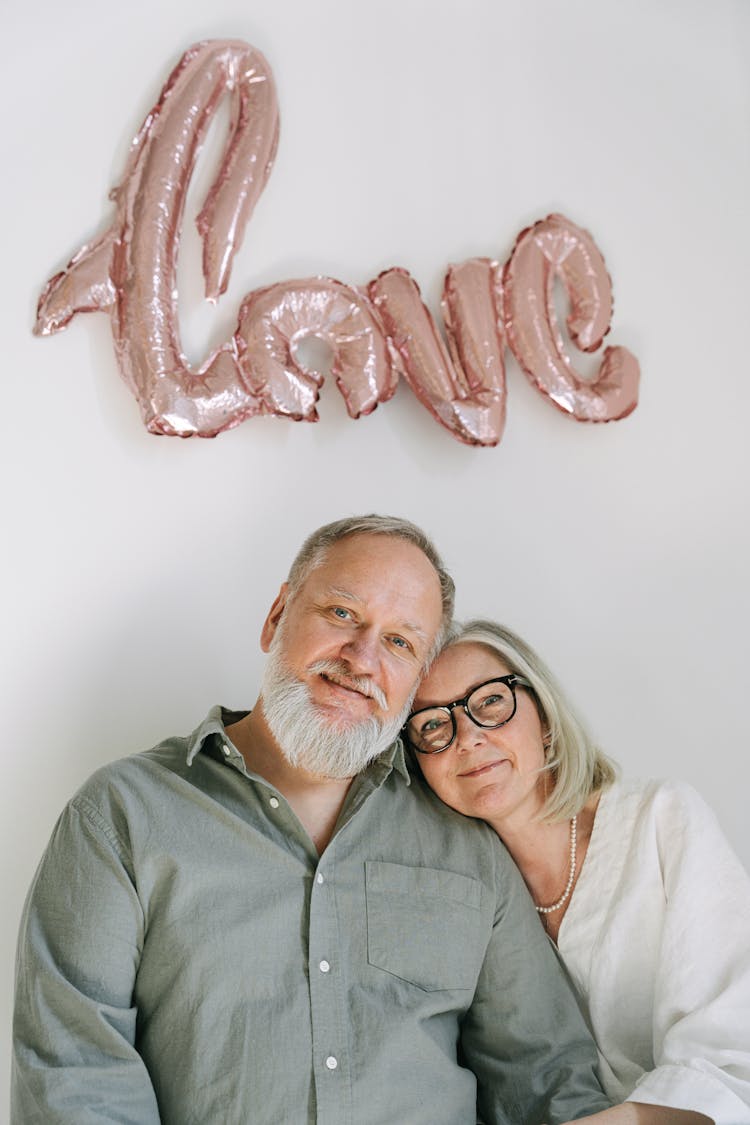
x=684, y=1087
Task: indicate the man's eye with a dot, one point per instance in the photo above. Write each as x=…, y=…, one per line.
x=399, y=642
x=341, y=613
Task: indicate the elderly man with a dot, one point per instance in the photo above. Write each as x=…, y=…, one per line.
x=273, y=921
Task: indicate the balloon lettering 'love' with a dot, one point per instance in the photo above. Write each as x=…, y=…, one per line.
x=376, y=334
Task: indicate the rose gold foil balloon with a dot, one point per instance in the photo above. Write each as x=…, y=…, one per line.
x=274, y=321
x=556, y=247
x=372, y=337
x=462, y=386
x=130, y=270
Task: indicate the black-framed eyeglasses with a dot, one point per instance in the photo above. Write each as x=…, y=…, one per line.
x=430, y=730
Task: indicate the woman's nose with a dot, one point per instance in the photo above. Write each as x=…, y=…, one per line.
x=468, y=734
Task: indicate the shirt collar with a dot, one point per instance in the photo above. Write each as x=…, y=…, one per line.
x=219, y=717
x=393, y=759
x=214, y=723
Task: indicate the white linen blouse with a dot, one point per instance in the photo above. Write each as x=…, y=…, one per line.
x=657, y=941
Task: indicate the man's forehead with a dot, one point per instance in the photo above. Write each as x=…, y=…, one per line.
x=369, y=567
x=363, y=544
x=359, y=559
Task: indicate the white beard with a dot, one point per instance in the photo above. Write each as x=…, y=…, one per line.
x=311, y=740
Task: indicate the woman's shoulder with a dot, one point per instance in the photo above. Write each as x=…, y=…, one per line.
x=661, y=815
x=657, y=797
x=671, y=819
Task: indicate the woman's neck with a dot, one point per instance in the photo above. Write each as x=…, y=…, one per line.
x=542, y=853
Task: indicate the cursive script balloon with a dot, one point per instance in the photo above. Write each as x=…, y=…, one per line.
x=373, y=335
x=556, y=247
x=462, y=386
x=131, y=269
x=274, y=321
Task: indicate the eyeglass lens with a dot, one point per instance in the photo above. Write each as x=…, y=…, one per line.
x=489, y=705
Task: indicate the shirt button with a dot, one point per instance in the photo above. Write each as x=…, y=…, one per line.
x=324, y=967
x=274, y=802
x=225, y=750
x=332, y=1062
x=319, y=878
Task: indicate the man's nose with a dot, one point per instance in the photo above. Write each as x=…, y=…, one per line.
x=362, y=651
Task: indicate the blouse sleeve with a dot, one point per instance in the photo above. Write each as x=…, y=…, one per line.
x=701, y=1014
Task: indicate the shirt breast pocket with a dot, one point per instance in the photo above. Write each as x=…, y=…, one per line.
x=424, y=925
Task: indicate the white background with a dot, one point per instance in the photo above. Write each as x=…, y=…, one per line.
x=137, y=570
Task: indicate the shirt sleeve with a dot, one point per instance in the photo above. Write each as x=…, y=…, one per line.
x=701, y=1021
x=524, y=1036
x=74, y=1058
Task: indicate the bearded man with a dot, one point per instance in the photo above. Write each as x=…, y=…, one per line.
x=274, y=921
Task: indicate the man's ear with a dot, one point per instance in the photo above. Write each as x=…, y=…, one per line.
x=271, y=623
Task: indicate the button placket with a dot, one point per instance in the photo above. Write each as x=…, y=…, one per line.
x=324, y=964
x=326, y=1002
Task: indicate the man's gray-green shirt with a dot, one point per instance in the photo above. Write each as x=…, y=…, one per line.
x=187, y=957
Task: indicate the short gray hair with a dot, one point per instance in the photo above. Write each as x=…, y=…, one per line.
x=576, y=765
x=314, y=549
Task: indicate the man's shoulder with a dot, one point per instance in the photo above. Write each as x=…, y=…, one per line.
x=177, y=754
x=137, y=778
x=453, y=827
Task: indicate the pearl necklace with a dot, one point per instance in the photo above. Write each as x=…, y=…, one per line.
x=571, y=873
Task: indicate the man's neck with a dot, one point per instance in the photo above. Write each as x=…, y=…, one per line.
x=316, y=801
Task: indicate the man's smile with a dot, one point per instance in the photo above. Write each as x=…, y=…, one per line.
x=344, y=685
x=340, y=681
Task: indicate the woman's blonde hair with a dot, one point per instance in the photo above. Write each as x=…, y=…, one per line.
x=576, y=766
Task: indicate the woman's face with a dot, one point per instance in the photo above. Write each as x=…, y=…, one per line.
x=485, y=773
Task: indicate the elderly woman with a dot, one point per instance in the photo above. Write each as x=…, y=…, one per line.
x=634, y=882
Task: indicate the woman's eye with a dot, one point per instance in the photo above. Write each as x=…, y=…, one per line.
x=491, y=701
x=432, y=725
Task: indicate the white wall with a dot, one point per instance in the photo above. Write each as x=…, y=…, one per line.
x=138, y=570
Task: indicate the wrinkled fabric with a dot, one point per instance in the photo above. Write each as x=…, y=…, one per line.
x=657, y=940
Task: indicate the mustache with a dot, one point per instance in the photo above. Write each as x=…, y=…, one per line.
x=340, y=673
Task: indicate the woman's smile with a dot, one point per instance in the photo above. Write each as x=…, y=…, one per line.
x=485, y=768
